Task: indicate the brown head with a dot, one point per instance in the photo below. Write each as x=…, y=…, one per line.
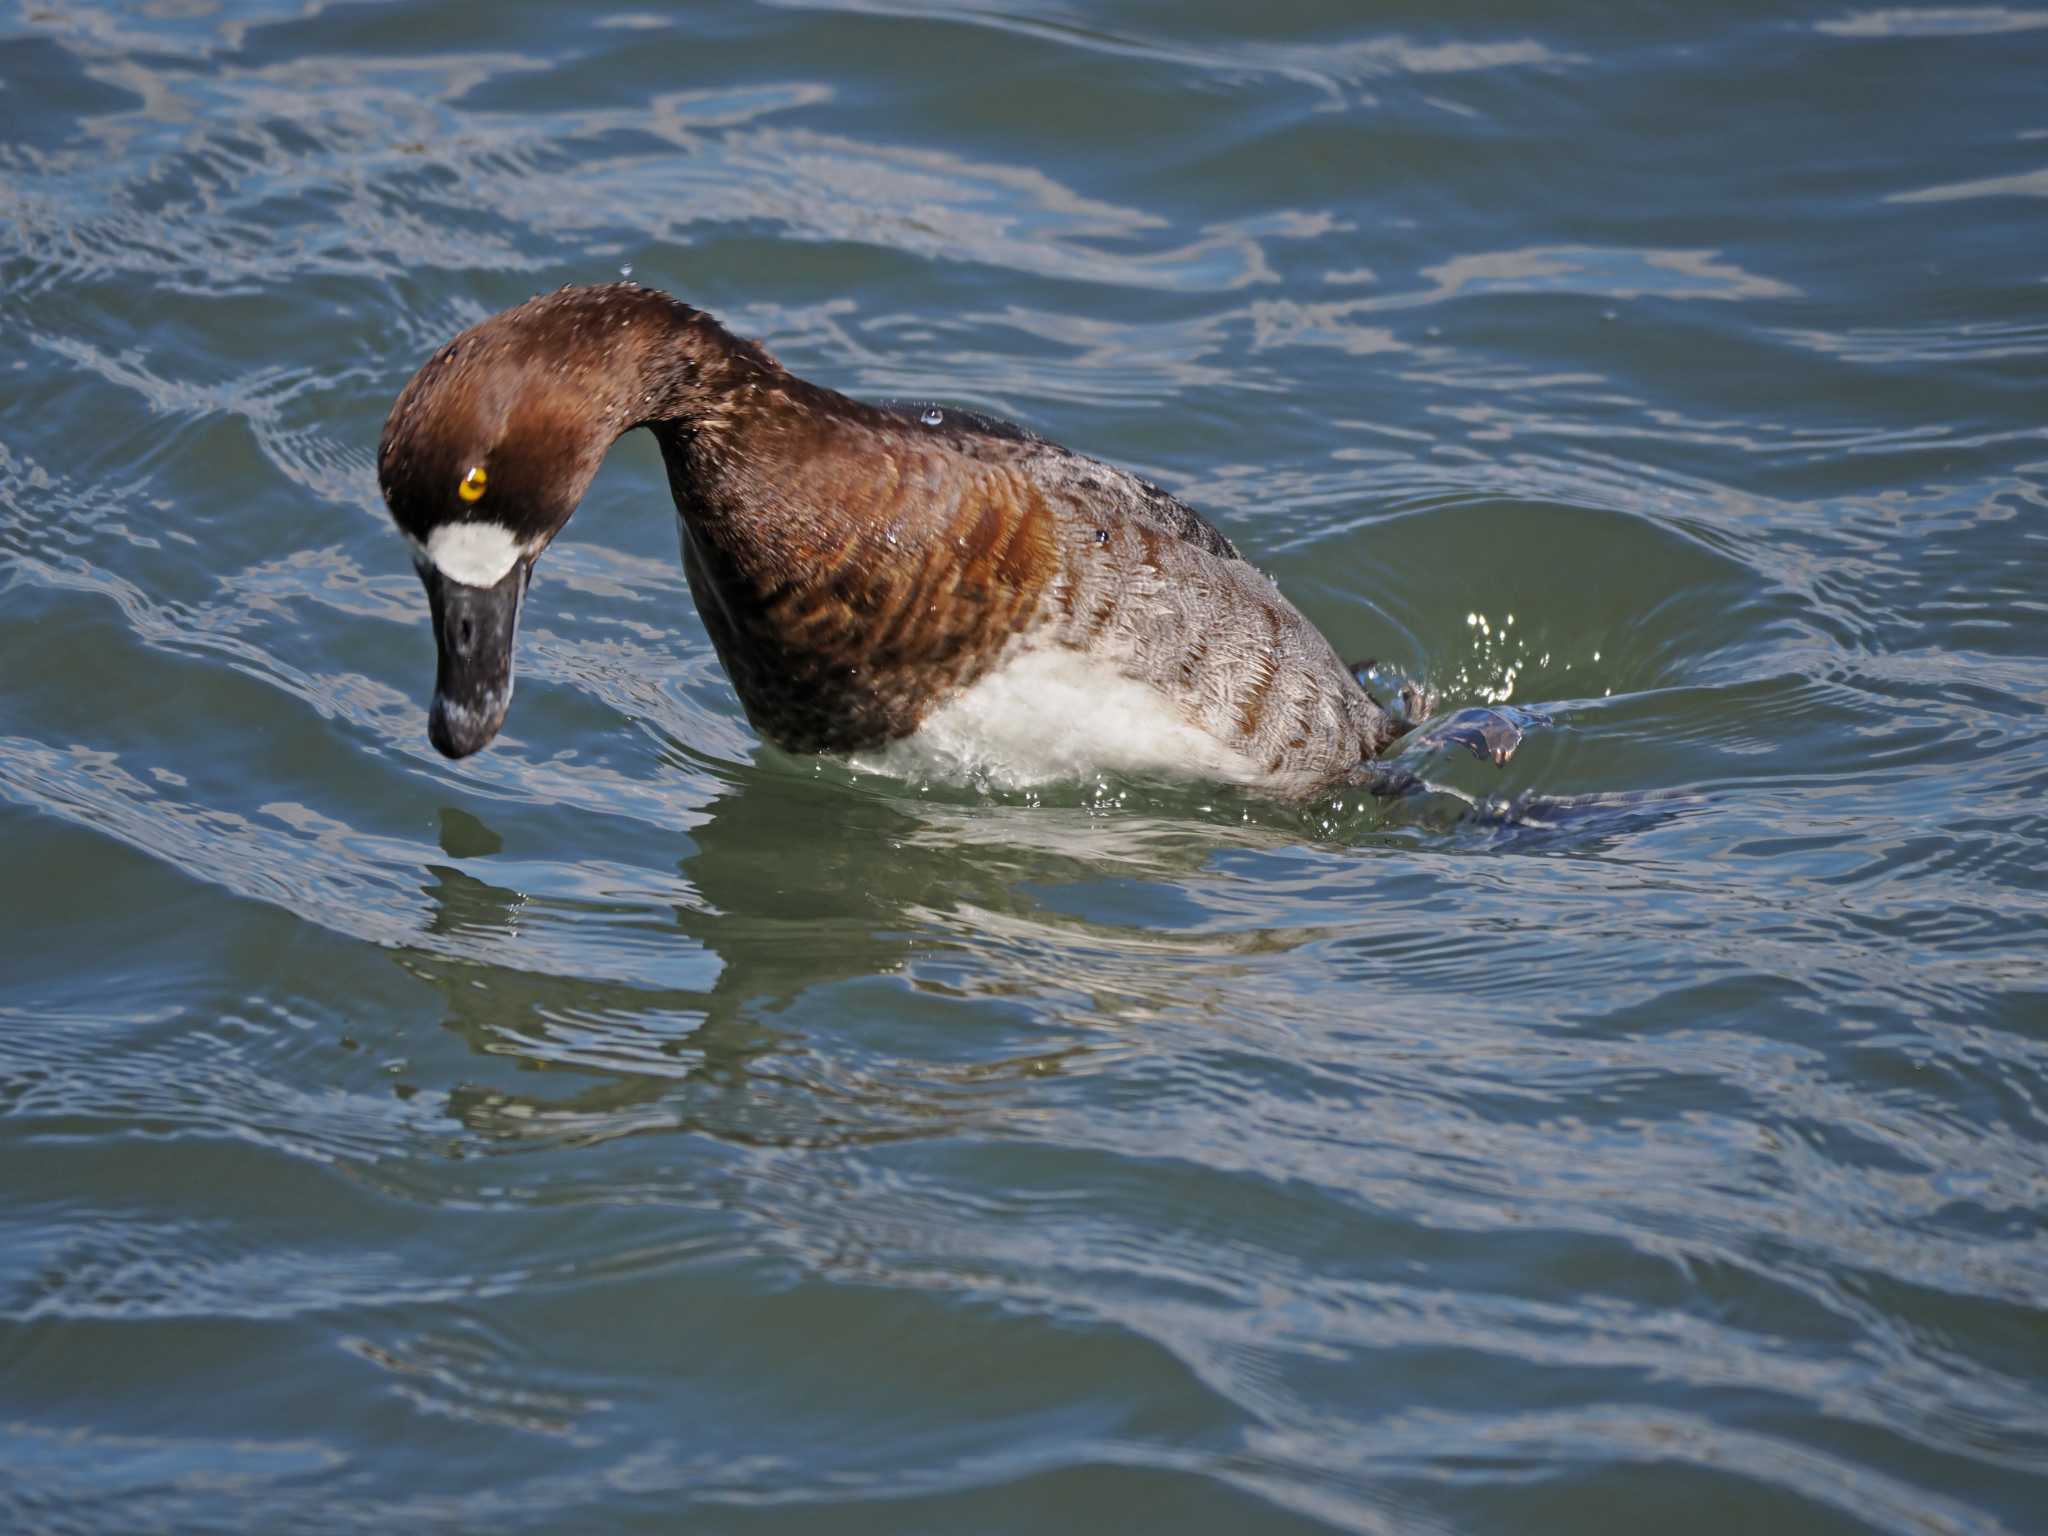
x=489, y=449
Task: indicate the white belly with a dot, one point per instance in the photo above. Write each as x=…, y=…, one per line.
x=1050, y=715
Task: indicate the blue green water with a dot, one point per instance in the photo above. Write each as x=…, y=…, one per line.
x=634, y=1128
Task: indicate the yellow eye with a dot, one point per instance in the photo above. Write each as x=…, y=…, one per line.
x=473, y=483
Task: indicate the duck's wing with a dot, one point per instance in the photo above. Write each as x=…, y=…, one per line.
x=1183, y=521
x=1118, y=493
x=1111, y=497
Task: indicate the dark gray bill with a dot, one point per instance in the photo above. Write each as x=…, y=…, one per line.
x=473, y=629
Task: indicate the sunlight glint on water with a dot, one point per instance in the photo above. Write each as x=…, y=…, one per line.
x=635, y=1128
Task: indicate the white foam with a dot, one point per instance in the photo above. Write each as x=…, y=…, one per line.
x=1050, y=715
x=475, y=554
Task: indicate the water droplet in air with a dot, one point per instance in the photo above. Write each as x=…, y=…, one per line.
x=626, y=270
x=932, y=416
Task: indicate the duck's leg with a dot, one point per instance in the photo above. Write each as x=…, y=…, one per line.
x=1490, y=735
x=1361, y=674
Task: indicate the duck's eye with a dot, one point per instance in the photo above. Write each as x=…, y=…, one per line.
x=473, y=483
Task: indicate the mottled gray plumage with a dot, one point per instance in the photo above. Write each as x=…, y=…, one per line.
x=1149, y=587
x=856, y=566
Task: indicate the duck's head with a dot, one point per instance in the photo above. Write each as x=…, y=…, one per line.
x=484, y=457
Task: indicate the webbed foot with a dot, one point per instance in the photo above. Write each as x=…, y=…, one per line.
x=1491, y=735
x=1416, y=703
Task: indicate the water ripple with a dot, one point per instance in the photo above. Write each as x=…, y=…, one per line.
x=635, y=1125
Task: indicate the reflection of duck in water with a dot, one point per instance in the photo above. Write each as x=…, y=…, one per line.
x=716, y=1006
x=766, y=999
x=870, y=576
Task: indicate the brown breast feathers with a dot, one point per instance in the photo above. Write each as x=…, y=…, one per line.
x=852, y=569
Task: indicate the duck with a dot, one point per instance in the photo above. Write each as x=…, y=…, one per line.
x=874, y=578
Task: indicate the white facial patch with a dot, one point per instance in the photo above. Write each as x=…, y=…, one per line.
x=475, y=554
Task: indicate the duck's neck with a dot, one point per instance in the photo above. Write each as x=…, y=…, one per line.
x=720, y=406
x=674, y=368
x=591, y=364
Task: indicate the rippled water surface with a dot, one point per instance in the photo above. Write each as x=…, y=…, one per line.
x=634, y=1128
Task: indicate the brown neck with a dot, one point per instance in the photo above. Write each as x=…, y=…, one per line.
x=687, y=370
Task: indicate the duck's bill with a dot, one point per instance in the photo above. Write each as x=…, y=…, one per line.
x=474, y=628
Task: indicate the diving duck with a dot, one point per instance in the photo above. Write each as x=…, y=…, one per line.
x=871, y=576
